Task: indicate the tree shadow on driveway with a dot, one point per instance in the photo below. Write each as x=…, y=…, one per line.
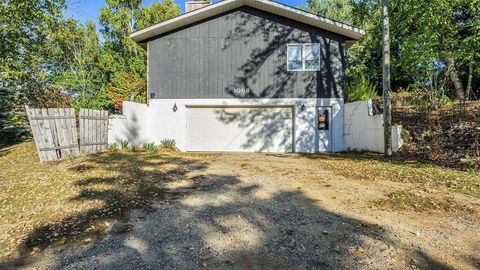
x=190, y=218
x=123, y=181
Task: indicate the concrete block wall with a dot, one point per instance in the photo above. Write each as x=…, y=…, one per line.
x=363, y=131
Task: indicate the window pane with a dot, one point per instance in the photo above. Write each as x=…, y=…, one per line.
x=294, y=52
x=312, y=56
x=312, y=64
x=312, y=51
x=295, y=65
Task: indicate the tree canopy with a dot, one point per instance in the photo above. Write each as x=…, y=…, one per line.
x=435, y=44
x=47, y=59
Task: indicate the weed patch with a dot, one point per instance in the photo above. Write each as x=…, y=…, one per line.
x=418, y=201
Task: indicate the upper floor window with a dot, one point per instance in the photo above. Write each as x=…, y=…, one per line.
x=303, y=57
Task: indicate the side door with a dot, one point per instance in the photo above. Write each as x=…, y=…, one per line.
x=324, y=128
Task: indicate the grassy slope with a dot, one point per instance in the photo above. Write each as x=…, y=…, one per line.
x=432, y=183
x=449, y=136
x=370, y=166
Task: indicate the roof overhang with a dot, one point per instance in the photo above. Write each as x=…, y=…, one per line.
x=352, y=33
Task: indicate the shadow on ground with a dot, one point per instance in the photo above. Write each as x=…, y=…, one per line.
x=210, y=221
x=12, y=136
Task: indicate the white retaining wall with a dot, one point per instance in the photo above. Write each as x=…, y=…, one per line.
x=363, y=131
x=353, y=125
x=143, y=123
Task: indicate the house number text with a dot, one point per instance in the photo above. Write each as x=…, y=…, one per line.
x=241, y=90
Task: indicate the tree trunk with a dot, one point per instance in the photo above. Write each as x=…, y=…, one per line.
x=468, y=90
x=387, y=103
x=457, y=83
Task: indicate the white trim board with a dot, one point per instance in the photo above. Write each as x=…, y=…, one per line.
x=185, y=19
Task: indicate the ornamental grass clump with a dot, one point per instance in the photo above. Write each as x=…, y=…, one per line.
x=169, y=144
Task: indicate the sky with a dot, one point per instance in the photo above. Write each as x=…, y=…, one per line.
x=84, y=10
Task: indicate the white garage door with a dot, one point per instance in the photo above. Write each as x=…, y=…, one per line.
x=249, y=129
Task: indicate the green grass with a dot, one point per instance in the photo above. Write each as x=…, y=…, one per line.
x=417, y=201
x=50, y=203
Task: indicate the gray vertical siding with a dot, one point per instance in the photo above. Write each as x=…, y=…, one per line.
x=243, y=48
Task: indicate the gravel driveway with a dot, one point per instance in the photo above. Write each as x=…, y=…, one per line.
x=261, y=211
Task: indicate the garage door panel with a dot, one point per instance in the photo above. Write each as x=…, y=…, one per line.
x=267, y=129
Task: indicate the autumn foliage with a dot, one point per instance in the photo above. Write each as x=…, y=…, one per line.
x=123, y=85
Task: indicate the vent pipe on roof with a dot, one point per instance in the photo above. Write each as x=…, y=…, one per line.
x=193, y=5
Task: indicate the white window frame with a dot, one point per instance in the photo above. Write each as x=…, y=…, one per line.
x=303, y=56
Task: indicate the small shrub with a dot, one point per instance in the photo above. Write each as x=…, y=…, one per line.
x=169, y=144
x=124, y=144
x=428, y=100
x=151, y=147
x=403, y=97
x=134, y=147
x=113, y=147
x=360, y=88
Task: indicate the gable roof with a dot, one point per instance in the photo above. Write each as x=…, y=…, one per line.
x=352, y=33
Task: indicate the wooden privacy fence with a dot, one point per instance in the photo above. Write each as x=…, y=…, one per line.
x=93, y=131
x=55, y=132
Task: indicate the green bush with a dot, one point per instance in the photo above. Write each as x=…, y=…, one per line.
x=134, y=147
x=404, y=97
x=428, y=99
x=151, y=147
x=360, y=88
x=124, y=144
x=169, y=144
x=113, y=147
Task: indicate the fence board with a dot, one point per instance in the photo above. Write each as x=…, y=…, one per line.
x=72, y=128
x=60, y=138
x=67, y=152
x=48, y=129
x=42, y=141
x=94, y=130
x=98, y=127
x=91, y=130
x=81, y=123
x=99, y=131
x=105, y=130
x=86, y=134
x=35, y=132
x=83, y=132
